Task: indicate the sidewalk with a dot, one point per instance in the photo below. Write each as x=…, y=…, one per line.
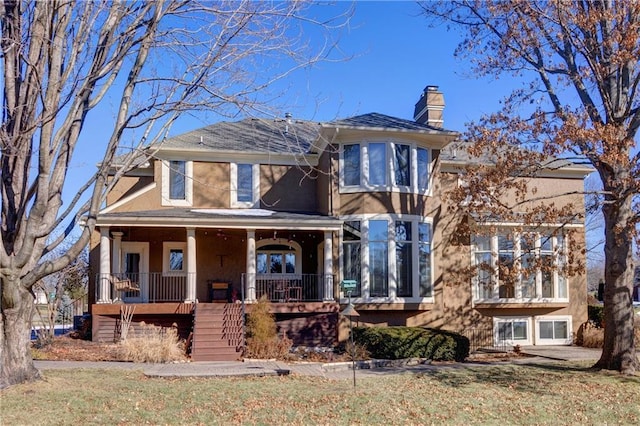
x=342, y=370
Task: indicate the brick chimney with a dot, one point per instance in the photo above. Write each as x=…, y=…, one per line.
x=429, y=107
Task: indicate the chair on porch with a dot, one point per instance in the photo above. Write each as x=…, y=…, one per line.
x=281, y=290
x=124, y=285
x=294, y=291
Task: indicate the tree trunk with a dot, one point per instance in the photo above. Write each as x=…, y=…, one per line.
x=618, y=352
x=16, y=363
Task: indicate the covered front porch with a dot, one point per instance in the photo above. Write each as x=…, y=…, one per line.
x=191, y=256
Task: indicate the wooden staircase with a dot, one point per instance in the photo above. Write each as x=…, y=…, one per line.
x=218, y=332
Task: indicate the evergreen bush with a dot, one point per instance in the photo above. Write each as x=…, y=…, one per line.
x=412, y=342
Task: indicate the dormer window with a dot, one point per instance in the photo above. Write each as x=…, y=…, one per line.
x=387, y=166
x=177, y=183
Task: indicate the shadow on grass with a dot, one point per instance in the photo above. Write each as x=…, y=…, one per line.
x=522, y=378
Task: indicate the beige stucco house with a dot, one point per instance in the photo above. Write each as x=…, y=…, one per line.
x=288, y=209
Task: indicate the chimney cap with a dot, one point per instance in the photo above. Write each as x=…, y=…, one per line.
x=431, y=88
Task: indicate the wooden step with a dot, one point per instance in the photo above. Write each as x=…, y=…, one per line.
x=217, y=332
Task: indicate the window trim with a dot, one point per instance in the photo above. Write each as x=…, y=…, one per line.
x=391, y=259
x=166, y=199
x=389, y=161
x=558, y=253
x=560, y=342
x=167, y=246
x=233, y=184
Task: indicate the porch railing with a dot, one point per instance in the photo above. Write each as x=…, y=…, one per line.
x=286, y=288
x=153, y=287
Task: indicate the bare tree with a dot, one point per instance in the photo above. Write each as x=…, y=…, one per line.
x=63, y=60
x=582, y=104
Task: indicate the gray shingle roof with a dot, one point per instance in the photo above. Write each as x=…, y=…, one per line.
x=250, y=135
x=376, y=120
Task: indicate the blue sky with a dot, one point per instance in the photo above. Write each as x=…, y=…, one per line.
x=394, y=55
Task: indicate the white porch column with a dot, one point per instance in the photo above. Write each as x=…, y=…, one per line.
x=328, y=266
x=191, y=266
x=116, y=252
x=250, y=276
x=104, y=283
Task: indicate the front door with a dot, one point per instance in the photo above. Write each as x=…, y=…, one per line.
x=135, y=265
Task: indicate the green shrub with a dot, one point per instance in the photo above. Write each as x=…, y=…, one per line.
x=596, y=315
x=412, y=342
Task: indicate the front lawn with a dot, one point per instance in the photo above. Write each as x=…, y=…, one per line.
x=505, y=394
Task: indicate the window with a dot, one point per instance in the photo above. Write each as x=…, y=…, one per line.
x=279, y=256
x=404, y=250
x=377, y=170
x=378, y=233
x=177, y=172
x=423, y=169
x=245, y=182
x=506, y=254
x=177, y=183
x=484, y=265
x=245, y=185
x=351, y=166
x=522, y=266
x=389, y=256
x=402, y=165
x=512, y=330
x=424, y=256
x=384, y=166
x=352, y=260
x=174, y=259
x=553, y=330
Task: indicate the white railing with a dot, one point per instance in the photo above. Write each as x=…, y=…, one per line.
x=152, y=287
x=285, y=288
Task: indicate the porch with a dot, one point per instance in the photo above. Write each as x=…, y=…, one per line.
x=158, y=287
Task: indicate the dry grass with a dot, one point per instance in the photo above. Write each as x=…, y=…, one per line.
x=152, y=344
x=555, y=394
x=593, y=337
x=262, y=337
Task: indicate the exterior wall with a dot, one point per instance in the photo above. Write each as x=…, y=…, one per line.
x=126, y=186
x=211, y=187
x=288, y=188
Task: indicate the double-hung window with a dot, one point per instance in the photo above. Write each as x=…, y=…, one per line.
x=245, y=185
x=177, y=182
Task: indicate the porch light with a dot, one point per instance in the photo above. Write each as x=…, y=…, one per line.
x=350, y=311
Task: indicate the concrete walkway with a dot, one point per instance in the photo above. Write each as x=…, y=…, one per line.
x=342, y=370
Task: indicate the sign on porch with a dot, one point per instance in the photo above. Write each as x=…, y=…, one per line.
x=348, y=285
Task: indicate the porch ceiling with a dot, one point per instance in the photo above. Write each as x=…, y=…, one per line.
x=221, y=218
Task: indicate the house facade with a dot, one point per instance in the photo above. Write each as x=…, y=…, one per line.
x=288, y=209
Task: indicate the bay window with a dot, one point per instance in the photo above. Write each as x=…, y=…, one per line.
x=384, y=166
x=389, y=256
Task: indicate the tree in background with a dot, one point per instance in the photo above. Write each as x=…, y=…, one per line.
x=582, y=105
x=62, y=61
